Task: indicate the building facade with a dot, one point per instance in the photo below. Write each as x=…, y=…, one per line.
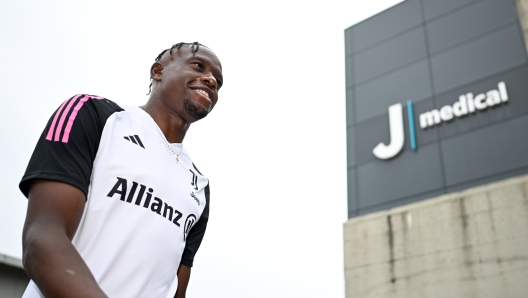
x=437, y=113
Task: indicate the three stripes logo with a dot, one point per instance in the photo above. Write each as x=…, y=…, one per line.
x=135, y=139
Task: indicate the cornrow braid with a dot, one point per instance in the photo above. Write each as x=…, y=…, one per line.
x=194, y=48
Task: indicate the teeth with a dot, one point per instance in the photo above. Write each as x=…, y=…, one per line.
x=202, y=92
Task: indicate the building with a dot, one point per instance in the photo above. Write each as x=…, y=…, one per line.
x=437, y=150
x=13, y=278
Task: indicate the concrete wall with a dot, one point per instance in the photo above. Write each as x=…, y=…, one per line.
x=472, y=243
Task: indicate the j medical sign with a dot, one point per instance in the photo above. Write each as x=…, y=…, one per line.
x=466, y=105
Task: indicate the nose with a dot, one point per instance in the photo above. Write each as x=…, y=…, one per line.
x=209, y=80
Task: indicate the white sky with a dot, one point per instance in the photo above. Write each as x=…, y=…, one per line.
x=274, y=148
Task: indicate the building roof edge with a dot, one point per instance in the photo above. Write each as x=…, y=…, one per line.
x=11, y=261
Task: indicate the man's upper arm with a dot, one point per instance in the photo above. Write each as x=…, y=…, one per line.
x=55, y=266
x=53, y=205
x=54, y=211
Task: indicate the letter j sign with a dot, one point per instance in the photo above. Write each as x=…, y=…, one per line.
x=397, y=136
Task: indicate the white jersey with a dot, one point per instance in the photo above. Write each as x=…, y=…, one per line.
x=145, y=211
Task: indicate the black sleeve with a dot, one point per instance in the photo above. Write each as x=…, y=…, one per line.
x=194, y=239
x=67, y=147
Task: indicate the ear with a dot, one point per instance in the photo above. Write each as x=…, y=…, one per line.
x=156, y=70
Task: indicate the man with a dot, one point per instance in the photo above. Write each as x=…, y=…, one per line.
x=115, y=205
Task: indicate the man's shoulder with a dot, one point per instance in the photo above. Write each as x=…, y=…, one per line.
x=100, y=103
x=91, y=108
x=81, y=104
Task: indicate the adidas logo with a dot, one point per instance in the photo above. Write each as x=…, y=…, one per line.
x=135, y=139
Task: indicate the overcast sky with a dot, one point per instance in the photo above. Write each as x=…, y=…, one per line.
x=274, y=148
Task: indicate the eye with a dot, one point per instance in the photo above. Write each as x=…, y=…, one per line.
x=219, y=82
x=199, y=64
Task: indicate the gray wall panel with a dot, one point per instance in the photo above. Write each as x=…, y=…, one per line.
x=395, y=20
x=390, y=55
x=477, y=19
x=349, y=106
x=349, y=72
x=435, y=8
x=351, y=145
x=517, y=86
x=349, y=41
x=400, y=202
x=487, y=151
x=351, y=180
x=375, y=97
x=473, y=45
x=411, y=173
x=488, y=179
x=366, y=140
x=480, y=58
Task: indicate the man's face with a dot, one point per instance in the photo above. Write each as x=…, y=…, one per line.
x=189, y=83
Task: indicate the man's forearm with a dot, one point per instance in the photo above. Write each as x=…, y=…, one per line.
x=184, y=273
x=56, y=267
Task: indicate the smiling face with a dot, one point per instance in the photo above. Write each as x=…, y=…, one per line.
x=188, y=83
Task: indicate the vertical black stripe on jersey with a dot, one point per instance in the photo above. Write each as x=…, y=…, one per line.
x=195, y=237
x=197, y=169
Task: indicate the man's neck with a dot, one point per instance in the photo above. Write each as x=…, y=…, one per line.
x=173, y=126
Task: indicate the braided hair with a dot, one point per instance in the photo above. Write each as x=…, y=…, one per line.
x=194, y=48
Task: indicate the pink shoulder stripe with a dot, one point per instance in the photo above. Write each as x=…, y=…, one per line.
x=63, y=117
x=73, y=115
x=49, y=136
